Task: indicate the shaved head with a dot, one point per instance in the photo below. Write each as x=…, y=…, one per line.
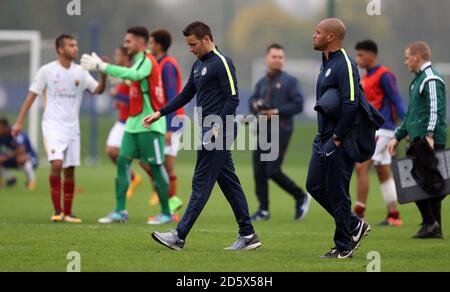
x=334, y=26
x=329, y=35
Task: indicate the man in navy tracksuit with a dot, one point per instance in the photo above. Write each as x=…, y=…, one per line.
x=331, y=167
x=277, y=93
x=213, y=82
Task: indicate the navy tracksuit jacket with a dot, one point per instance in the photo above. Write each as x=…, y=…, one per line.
x=331, y=169
x=279, y=91
x=213, y=81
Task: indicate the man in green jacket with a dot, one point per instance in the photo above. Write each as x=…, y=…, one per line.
x=425, y=118
x=147, y=145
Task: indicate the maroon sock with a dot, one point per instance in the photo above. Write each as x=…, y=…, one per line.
x=360, y=210
x=394, y=214
x=173, y=186
x=69, y=188
x=55, y=191
x=149, y=173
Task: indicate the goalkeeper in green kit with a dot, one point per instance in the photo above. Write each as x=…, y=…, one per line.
x=146, y=97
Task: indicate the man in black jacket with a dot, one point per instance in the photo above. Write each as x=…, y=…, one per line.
x=213, y=82
x=331, y=167
x=277, y=93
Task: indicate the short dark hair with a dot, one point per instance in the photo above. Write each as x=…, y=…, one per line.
x=199, y=30
x=4, y=122
x=139, y=31
x=274, y=46
x=162, y=37
x=367, y=45
x=59, y=43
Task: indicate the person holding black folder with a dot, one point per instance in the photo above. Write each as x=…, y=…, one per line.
x=425, y=121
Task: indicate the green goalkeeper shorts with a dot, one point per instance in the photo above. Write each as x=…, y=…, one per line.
x=148, y=147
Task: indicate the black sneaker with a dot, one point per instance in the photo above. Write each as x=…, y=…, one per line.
x=10, y=182
x=261, y=216
x=384, y=223
x=361, y=231
x=392, y=222
x=244, y=243
x=431, y=231
x=169, y=239
x=335, y=254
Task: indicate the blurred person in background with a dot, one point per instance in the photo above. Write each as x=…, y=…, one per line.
x=141, y=143
x=159, y=44
x=63, y=83
x=121, y=94
x=277, y=93
x=380, y=88
x=16, y=153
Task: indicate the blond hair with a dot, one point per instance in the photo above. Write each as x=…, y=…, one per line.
x=421, y=49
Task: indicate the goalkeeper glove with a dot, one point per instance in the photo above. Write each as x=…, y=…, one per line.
x=93, y=63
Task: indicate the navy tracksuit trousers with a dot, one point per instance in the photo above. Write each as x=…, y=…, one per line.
x=328, y=182
x=216, y=166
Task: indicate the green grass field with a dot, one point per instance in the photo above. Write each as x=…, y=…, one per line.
x=29, y=242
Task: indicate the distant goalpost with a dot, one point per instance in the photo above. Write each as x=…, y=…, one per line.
x=34, y=38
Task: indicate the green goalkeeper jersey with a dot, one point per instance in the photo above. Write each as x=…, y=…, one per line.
x=138, y=72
